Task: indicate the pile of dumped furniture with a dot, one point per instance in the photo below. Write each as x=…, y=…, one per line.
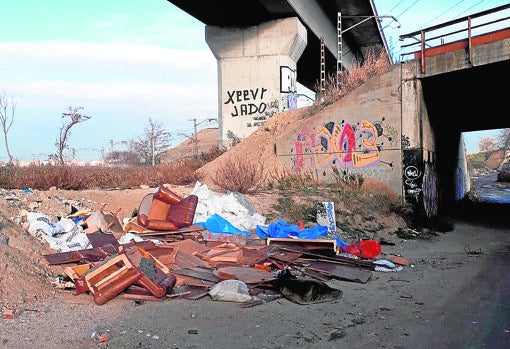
x=161, y=254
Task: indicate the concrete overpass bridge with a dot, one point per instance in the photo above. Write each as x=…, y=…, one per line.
x=402, y=128
x=264, y=47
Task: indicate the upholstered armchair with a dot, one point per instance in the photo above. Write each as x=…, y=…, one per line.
x=165, y=210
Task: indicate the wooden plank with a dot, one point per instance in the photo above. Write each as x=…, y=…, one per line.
x=245, y=274
x=342, y=272
x=202, y=275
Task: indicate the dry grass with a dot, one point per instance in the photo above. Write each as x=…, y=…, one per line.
x=349, y=80
x=239, y=175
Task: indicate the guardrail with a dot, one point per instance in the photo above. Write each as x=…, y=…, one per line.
x=459, y=33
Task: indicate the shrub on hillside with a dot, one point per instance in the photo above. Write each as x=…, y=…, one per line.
x=236, y=174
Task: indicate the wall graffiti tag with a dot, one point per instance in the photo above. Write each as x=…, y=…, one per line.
x=412, y=181
x=247, y=102
x=430, y=193
x=338, y=145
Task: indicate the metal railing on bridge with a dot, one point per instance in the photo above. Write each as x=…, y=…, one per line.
x=465, y=32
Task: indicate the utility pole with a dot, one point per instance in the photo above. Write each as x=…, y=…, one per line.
x=195, y=138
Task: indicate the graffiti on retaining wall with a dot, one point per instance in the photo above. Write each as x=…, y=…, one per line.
x=412, y=182
x=429, y=186
x=340, y=145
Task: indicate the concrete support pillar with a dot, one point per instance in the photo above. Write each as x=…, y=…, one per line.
x=256, y=73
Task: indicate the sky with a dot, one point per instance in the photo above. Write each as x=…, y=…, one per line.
x=127, y=61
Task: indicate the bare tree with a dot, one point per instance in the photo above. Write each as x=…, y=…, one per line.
x=504, y=138
x=487, y=143
x=75, y=117
x=153, y=143
x=7, y=109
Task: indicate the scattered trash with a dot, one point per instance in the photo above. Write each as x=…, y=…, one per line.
x=304, y=291
x=101, y=335
x=469, y=252
x=4, y=239
x=364, y=248
x=11, y=313
x=230, y=291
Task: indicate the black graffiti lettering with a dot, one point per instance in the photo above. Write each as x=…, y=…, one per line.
x=230, y=97
x=236, y=112
x=253, y=108
x=244, y=95
x=249, y=109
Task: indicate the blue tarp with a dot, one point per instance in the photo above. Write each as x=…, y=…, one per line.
x=218, y=224
x=282, y=229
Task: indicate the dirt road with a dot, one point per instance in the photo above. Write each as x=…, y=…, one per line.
x=456, y=294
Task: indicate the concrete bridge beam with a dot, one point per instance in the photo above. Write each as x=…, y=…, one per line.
x=315, y=18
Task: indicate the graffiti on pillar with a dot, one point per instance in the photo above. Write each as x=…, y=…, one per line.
x=252, y=103
x=339, y=145
x=247, y=102
x=413, y=175
x=288, y=80
x=290, y=101
x=271, y=109
x=430, y=195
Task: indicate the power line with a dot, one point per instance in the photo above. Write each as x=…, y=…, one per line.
x=444, y=12
x=469, y=8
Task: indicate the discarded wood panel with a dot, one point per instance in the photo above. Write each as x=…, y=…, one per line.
x=309, y=245
x=100, y=239
x=254, y=255
x=333, y=259
x=237, y=239
x=185, y=257
x=138, y=293
x=316, y=275
x=63, y=257
x=201, y=274
x=246, y=274
x=165, y=254
x=342, y=272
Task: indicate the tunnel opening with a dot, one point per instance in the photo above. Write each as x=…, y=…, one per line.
x=458, y=103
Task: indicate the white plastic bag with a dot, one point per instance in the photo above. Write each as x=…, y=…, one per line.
x=230, y=291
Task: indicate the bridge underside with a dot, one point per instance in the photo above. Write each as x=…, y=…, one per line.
x=362, y=35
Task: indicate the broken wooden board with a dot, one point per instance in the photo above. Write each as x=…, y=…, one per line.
x=309, y=245
x=341, y=272
x=246, y=274
x=198, y=273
